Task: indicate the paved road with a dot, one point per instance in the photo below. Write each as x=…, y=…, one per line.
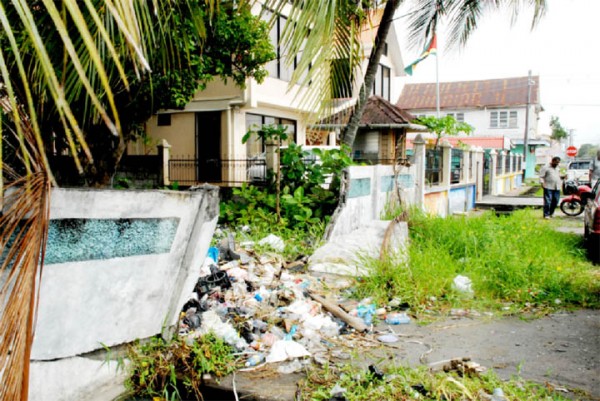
x=561, y=349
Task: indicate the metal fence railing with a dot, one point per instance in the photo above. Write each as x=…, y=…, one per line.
x=433, y=166
x=456, y=166
x=218, y=171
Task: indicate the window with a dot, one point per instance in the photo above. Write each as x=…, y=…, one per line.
x=459, y=117
x=255, y=145
x=503, y=119
x=163, y=120
x=382, y=82
x=278, y=68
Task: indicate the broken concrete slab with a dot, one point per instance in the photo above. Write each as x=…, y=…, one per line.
x=343, y=254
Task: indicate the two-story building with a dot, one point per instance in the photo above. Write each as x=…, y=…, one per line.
x=505, y=109
x=205, y=137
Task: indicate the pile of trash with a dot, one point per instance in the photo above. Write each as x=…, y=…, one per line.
x=272, y=311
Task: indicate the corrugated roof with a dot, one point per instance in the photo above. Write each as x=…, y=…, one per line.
x=377, y=111
x=470, y=94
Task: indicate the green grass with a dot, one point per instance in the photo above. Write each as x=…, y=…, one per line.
x=173, y=370
x=516, y=263
x=402, y=383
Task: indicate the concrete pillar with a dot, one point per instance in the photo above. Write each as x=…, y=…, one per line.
x=494, y=157
x=164, y=155
x=501, y=156
x=446, y=162
x=477, y=154
x=419, y=160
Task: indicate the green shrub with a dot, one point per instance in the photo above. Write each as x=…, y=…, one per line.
x=173, y=370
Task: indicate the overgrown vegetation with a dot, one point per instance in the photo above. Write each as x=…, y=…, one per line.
x=173, y=370
x=309, y=191
x=403, y=383
x=514, y=264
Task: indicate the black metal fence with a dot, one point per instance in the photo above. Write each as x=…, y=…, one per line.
x=433, y=166
x=226, y=172
x=456, y=166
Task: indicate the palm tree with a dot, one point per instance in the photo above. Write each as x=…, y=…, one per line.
x=100, y=43
x=324, y=31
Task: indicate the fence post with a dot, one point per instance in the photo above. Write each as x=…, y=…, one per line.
x=446, y=163
x=419, y=147
x=478, y=166
x=164, y=155
x=494, y=157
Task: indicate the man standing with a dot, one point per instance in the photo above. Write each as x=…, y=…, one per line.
x=550, y=180
x=595, y=169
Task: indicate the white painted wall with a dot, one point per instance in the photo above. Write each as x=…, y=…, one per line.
x=88, y=305
x=358, y=209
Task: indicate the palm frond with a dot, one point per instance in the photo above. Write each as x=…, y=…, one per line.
x=24, y=216
x=462, y=16
x=320, y=32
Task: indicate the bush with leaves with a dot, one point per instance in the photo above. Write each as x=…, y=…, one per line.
x=173, y=370
x=306, y=196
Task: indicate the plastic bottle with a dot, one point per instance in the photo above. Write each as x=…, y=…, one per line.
x=255, y=360
x=397, y=318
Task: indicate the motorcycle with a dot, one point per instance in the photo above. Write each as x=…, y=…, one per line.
x=571, y=204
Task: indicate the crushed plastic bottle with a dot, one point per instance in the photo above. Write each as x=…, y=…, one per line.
x=397, y=318
x=366, y=312
x=255, y=359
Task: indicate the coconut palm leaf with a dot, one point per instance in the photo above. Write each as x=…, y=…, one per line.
x=102, y=45
x=318, y=33
x=462, y=16
x=23, y=229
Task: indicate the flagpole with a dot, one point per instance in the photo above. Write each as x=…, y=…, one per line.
x=437, y=82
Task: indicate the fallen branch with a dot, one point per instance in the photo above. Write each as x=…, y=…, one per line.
x=340, y=313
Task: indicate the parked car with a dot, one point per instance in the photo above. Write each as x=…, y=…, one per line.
x=579, y=170
x=592, y=223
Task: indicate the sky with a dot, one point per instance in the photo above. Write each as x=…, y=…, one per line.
x=563, y=50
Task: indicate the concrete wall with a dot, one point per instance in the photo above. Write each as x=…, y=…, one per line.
x=120, y=265
x=369, y=189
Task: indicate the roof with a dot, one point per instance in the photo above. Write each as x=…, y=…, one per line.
x=378, y=111
x=470, y=94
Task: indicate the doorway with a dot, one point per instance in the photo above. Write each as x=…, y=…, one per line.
x=208, y=146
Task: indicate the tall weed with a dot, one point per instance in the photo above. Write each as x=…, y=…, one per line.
x=516, y=259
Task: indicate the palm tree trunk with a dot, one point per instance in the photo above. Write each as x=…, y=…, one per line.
x=349, y=133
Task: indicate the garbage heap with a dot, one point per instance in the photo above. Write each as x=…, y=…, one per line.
x=272, y=311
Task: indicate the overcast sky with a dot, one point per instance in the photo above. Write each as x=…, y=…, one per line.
x=564, y=50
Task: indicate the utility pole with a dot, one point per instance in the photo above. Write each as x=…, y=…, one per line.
x=526, y=138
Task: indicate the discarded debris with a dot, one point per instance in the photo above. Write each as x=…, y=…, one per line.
x=463, y=284
x=339, y=312
x=464, y=367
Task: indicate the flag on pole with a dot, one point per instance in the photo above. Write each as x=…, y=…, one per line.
x=430, y=48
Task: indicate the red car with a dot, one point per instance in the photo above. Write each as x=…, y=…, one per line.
x=592, y=223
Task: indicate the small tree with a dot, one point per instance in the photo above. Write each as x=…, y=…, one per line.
x=558, y=132
x=277, y=134
x=444, y=126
